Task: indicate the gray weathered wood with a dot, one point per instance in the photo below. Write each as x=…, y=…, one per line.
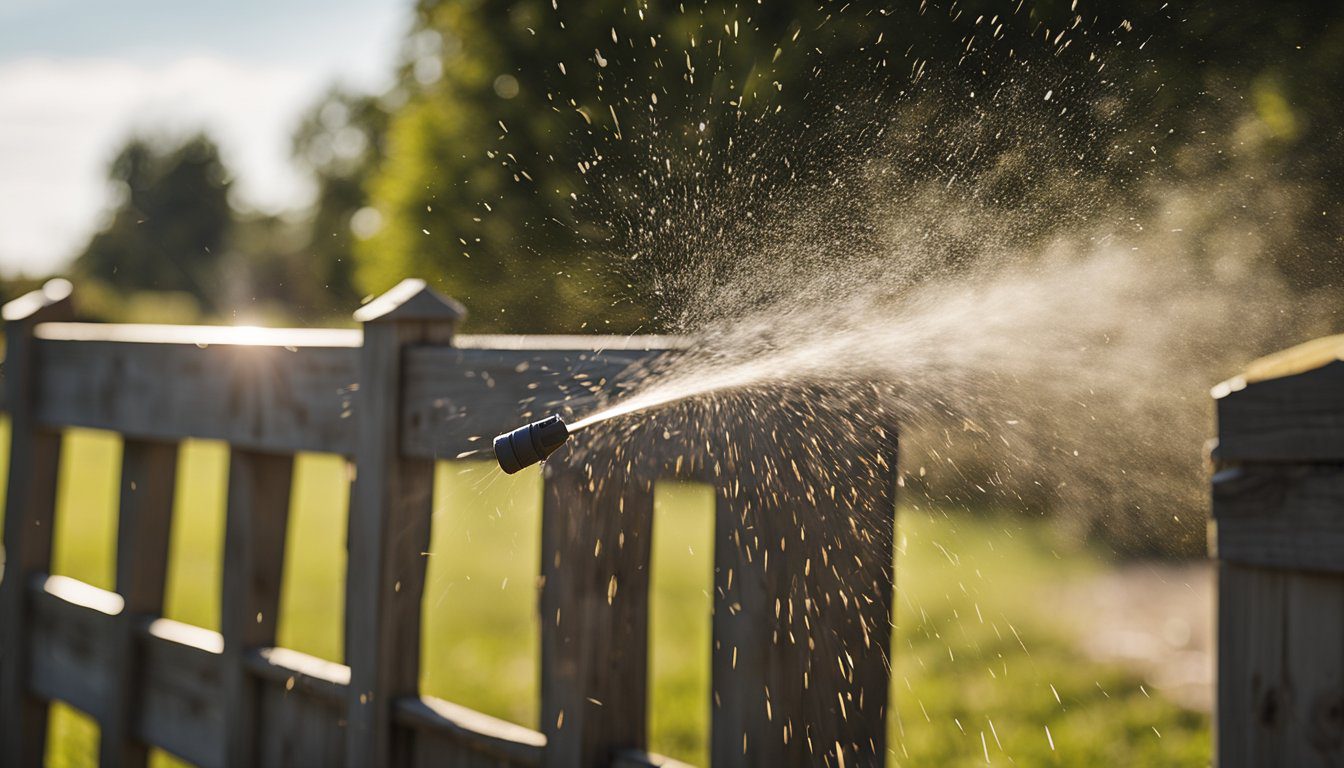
x=180, y=682
x=388, y=532
x=319, y=678
x=297, y=729
x=787, y=607
x=597, y=521
x=442, y=731
x=1280, y=515
x=802, y=601
x=1278, y=509
x=273, y=398
x=254, y=549
x=182, y=669
x=293, y=390
x=413, y=301
x=1314, y=668
x=1290, y=418
x=148, y=477
x=30, y=508
x=1254, y=697
x=638, y=759
x=743, y=608
x=182, y=676
x=69, y=657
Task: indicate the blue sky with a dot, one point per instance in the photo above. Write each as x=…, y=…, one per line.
x=76, y=78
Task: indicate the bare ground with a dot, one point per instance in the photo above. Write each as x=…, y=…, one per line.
x=1156, y=618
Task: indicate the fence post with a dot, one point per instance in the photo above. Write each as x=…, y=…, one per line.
x=256, y=516
x=1278, y=534
x=597, y=525
x=391, y=504
x=144, y=518
x=30, y=510
x=802, y=599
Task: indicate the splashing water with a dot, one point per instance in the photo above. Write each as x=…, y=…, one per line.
x=1083, y=371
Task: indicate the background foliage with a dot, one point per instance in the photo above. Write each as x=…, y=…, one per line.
x=567, y=153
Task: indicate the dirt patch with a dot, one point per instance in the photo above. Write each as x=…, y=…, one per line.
x=1156, y=618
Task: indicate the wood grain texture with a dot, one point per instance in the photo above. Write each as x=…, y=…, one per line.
x=300, y=698
x=638, y=759
x=458, y=399
x=1280, y=668
x=596, y=537
x=319, y=678
x=254, y=547
x=70, y=658
x=299, y=397
x=180, y=709
x=148, y=477
x=1278, y=532
x=1314, y=668
x=1280, y=515
x=1294, y=418
x=30, y=509
x=258, y=397
x=740, y=659
x=446, y=733
x=297, y=728
x=390, y=508
x=802, y=602
x=182, y=676
x=1232, y=701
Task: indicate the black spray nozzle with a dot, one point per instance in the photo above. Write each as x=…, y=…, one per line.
x=528, y=445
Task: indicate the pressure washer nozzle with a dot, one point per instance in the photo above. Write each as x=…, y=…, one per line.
x=528, y=445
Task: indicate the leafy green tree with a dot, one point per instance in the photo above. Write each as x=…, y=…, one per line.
x=339, y=142
x=168, y=229
x=605, y=157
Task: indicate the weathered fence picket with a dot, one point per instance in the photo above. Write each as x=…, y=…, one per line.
x=394, y=398
x=1278, y=509
x=30, y=514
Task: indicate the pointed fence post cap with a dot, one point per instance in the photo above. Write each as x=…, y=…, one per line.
x=51, y=300
x=412, y=300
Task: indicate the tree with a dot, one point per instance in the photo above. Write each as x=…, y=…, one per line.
x=169, y=225
x=606, y=157
x=340, y=143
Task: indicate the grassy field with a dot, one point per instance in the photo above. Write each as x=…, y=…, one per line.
x=984, y=671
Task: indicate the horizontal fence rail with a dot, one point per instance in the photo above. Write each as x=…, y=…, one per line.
x=395, y=396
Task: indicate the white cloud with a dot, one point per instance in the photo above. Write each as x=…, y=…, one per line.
x=61, y=120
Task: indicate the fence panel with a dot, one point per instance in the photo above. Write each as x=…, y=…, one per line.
x=395, y=397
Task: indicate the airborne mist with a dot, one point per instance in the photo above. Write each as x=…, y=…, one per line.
x=1044, y=343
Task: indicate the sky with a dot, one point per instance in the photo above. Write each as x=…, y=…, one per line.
x=78, y=78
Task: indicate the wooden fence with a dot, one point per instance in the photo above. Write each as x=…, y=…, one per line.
x=1278, y=509
x=394, y=398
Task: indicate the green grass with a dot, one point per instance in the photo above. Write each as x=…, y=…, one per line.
x=984, y=663
x=978, y=642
